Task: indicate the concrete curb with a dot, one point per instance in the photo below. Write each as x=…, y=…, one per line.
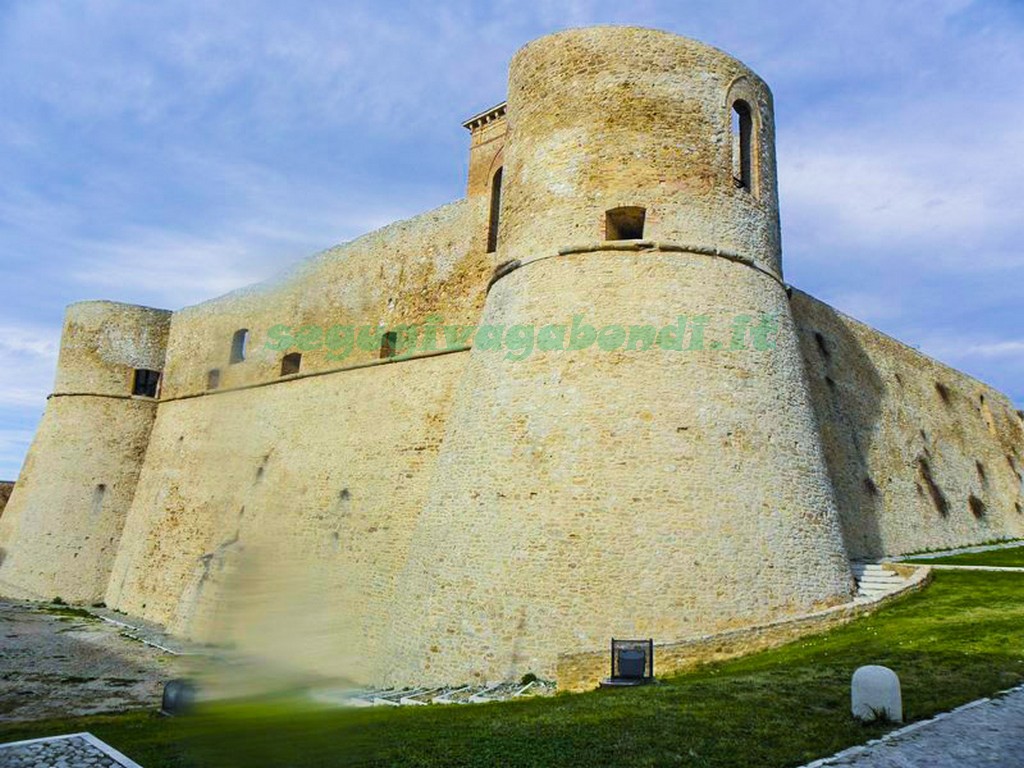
x=1013, y=544
x=945, y=567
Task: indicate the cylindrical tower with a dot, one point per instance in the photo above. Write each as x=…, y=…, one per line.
x=610, y=118
x=62, y=526
x=664, y=479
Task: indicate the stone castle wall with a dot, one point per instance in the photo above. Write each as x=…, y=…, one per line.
x=466, y=515
x=279, y=517
x=433, y=264
x=322, y=472
x=921, y=455
x=619, y=493
x=654, y=473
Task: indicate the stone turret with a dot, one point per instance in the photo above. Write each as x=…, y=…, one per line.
x=61, y=529
x=598, y=492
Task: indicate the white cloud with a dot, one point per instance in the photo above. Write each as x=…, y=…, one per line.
x=29, y=353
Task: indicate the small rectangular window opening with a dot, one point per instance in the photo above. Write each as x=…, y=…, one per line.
x=625, y=223
x=238, y=345
x=146, y=383
x=213, y=378
x=389, y=344
x=291, y=363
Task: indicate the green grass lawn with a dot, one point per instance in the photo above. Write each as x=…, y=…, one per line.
x=1011, y=557
x=961, y=638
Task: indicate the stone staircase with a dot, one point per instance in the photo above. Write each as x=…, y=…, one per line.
x=874, y=581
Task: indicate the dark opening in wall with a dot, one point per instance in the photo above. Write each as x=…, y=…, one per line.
x=742, y=146
x=625, y=223
x=943, y=391
x=870, y=487
x=291, y=363
x=238, y=344
x=981, y=471
x=213, y=378
x=822, y=346
x=978, y=508
x=494, y=220
x=938, y=497
x=146, y=382
x=388, y=344
x=1018, y=507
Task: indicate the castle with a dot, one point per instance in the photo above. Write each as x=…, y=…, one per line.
x=438, y=507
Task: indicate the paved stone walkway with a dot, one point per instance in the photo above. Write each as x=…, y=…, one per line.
x=72, y=751
x=989, y=733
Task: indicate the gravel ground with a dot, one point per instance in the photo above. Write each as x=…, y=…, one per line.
x=57, y=663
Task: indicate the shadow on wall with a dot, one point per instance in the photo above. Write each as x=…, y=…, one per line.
x=6, y=489
x=847, y=393
x=920, y=455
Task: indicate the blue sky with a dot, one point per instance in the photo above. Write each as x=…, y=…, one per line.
x=164, y=153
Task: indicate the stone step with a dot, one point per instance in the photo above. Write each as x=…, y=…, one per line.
x=874, y=580
x=877, y=590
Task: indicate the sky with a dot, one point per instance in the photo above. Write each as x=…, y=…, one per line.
x=165, y=153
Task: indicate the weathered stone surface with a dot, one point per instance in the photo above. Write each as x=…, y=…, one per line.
x=908, y=441
x=875, y=692
x=472, y=516
x=62, y=526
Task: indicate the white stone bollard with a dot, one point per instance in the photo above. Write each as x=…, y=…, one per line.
x=874, y=692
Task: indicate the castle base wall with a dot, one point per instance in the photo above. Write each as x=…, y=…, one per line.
x=278, y=518
x=61, y=528
x=921, y=455
x=587, y=494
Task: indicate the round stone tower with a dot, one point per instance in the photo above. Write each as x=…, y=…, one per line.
x=623, y=118
x=61, y=529
x=665, y=479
